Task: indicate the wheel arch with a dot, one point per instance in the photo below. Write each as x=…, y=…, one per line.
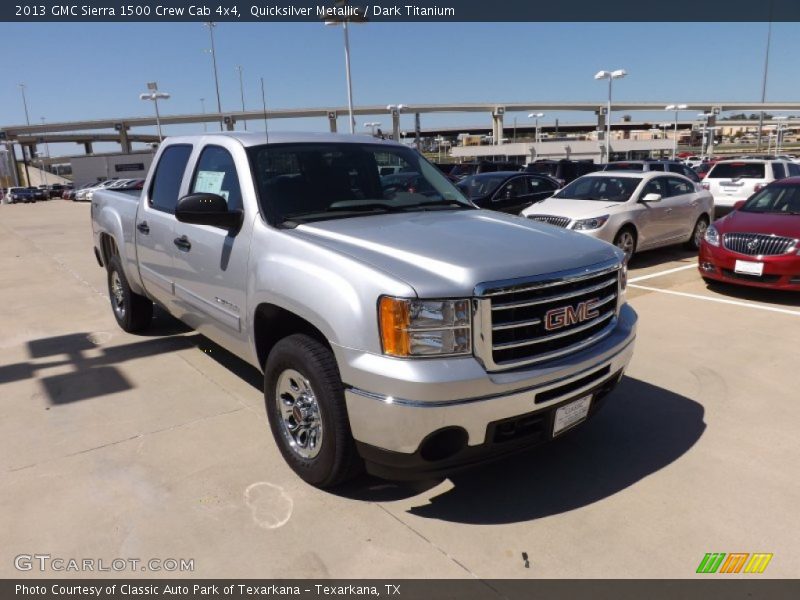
x=272, y=323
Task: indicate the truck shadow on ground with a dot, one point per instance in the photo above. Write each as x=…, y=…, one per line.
x=641, y=429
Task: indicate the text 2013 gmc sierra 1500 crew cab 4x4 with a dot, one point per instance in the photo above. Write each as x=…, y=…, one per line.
x=399, y=328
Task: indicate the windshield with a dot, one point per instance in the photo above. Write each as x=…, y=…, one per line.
x=609, y=189
x=622, y=166
x=315, y=181
x=548, y=168
x=780, y=199
x=737, y=170
x=478, y=186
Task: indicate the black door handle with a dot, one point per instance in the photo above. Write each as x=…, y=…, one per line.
x=183, y=243
x=143, y=227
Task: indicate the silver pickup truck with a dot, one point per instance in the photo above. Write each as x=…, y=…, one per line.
x=398, y=327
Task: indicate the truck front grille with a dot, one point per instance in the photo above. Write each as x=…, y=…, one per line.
x=758, y=244
x=551, y=220
x=533, y=321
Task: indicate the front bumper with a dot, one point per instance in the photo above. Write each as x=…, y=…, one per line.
x=395, y=405
x=780, y=272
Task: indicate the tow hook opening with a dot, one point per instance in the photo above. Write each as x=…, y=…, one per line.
x=443, y=444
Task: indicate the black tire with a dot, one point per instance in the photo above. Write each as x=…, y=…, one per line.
x=621, y=237
x=336, y=459
x=698, y=233
x=132, y=311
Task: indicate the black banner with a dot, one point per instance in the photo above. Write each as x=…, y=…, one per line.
x=401, y=11
x=405, y=589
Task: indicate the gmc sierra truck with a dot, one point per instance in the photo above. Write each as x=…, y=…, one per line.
x=400, y=329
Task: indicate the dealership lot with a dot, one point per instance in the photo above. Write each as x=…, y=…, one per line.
x=156, y=446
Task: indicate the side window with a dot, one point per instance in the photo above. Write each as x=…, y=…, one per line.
x=513, y=189
x=794, y=169
x=167, y=180
x=538, y=186
x=656, y=166
x=216, y=174
x=778, y=170
x=678, y=187
x=656, y=186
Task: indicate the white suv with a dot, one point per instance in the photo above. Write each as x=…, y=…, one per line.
x=730, y=181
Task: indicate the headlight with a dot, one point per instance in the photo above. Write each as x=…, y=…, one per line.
x=594, y=223
x=712, y=235
x=425, y=327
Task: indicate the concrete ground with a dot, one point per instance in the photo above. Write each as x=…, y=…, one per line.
x=156, y=446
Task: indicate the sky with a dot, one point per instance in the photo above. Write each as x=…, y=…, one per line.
x=97, y=70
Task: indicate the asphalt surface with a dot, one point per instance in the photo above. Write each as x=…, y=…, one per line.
x=156, y=446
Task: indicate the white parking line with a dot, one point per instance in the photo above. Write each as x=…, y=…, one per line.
x=785, y=311
x=660, y=273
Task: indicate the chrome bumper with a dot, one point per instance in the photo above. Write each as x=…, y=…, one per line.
x=394, y=404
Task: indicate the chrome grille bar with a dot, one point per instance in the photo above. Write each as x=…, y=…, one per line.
x=551, y=220
x=554, y=336
x=573, y=294
x=758, y=244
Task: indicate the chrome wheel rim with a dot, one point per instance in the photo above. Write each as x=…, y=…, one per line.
x=700, y=232
x=301, y=423
x=625, y=243
x=117, y=295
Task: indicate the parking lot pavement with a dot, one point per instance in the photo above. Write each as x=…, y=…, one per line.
x=156, y=446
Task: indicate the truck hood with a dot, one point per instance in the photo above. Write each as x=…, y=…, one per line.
x=573, y=209
x=447, y=253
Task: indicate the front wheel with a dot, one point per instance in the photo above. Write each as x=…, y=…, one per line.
x=307, y=414
x=132, y=311
x=625, y=240
x=698, y=233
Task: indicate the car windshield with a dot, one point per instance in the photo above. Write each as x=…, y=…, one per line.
x=548, y=168
x=609, y=189
x=315, y=181
x=478, y=186
x=780, y=199
x=737, y=170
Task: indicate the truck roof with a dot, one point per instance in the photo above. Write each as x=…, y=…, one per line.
x=248, y=139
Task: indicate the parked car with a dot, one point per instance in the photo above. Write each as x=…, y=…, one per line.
x=758, y=244
x=508, y=192
x=57, y=190
x=671, y=166
x=68, y=193
x=395, y=330
x=564, y=171
x=462, y=170
x=130, y=184
x=703, y=168
x=633, y=211
x=731, y=181
x=21, y=194
x=40, y=193
x=693, y=161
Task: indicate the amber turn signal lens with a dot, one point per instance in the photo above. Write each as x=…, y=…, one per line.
x=394, y=321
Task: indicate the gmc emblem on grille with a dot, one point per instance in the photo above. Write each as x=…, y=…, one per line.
x=564, y=316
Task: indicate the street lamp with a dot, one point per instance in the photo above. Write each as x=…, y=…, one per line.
x=611, y=76
x=372, y=125
x=47, y=153
x=395, y=110
x=22, y=87
x=779, y=130
x=203, y=109
x=154, y=95
x=536, y=116
x=676, y=108
x=211, y=25
x=345, y=21
x=241, y=90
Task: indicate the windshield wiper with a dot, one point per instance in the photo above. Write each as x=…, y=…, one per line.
x=453, y=203
x=372, y=206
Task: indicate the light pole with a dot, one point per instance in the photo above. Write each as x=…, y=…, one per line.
x=154, y=95
x=211, y=25
x=779, y=129
x=47, y=153
x=241, y=90
x=764, y=79
x=395, y=110
x=611, y=76
x=536, y=116
x=203, y=109
x=372, y=125
x=28, y=122
x=345, y=21
x=676, y=108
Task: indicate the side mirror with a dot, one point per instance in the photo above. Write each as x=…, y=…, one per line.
x=208, y=209
x=652, y=198
x=739, y=204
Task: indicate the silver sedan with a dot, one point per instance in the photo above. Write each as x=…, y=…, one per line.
x=634, y=211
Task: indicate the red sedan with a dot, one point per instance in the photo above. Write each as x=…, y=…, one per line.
x=758, y=244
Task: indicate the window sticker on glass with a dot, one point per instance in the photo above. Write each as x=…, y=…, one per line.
x=209, y=182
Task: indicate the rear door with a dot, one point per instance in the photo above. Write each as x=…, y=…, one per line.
x=540, y=188
x=210, y=262
x=155, y=223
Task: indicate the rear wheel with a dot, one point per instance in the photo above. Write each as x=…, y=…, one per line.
x=625, y=240
x=698, y=233
x=132, y=311
x=307, y=414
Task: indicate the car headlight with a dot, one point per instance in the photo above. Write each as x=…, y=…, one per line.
x=425, y=327
x=712, y=236
x=593, y=223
